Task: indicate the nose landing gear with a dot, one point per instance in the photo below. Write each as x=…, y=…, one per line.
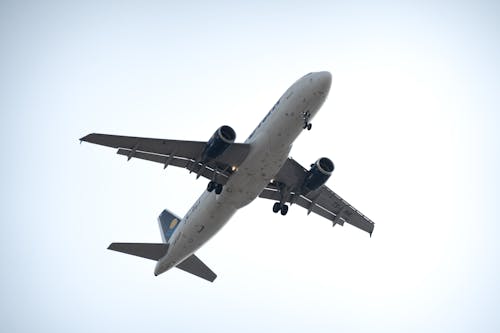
x=307, y=124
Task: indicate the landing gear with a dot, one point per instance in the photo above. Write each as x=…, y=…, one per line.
x=285, y=196
x=278, y=207
x=214, y=186
x=211, y=186
x=307, y=124
x=284, y=210
x=218, y=189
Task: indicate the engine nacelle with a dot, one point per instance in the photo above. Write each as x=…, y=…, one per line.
x=223, y=137
x=318, y=175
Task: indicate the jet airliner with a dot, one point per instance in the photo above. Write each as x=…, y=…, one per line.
x=238, y=173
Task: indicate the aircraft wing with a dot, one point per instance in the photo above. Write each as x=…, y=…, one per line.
x=322, y=201
x=183, y=154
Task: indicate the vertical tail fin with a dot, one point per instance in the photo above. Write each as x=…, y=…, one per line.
x=168, y=222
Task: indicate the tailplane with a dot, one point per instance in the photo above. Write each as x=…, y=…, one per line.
x=196, y=267
x=153, y=251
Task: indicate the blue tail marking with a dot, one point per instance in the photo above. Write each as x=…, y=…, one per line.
x=168, y=222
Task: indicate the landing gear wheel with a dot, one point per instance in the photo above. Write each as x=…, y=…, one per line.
x=218, y=189
x=211, y=186
x=307, y=116
x=276, y=207
x=284, y=210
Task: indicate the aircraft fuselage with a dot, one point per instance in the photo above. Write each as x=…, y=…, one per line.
x=270, y=144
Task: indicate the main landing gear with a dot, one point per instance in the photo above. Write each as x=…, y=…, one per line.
x=278, y=207
x=214, y=186
x=284, y=193
x=307, y=124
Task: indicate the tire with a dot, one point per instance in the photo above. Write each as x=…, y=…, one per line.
x=284, y=210
x=218, y=189
x=309, y=126
x=210, y=186
x=276, y=207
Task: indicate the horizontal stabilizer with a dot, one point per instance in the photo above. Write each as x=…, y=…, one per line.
x=196, y=267
x=151, y=251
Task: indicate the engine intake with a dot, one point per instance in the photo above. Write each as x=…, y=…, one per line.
x=318, y=174
x=223, y=137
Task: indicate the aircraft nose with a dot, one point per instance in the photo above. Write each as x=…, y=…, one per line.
x=324, y=80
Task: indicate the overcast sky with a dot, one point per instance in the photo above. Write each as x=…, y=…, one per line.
x=410, y=123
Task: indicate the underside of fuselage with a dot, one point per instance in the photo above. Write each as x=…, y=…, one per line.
x=270, y=144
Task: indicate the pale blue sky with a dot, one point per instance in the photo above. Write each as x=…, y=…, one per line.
x=410, y=123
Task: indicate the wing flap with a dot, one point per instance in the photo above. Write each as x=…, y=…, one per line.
x=355, y=218
x=162, y=159
x=206, y=171
x=343, y=210
x=311, y=206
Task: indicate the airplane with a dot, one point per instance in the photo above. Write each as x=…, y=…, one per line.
x=238, y=173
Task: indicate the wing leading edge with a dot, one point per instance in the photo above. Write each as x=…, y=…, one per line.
x=178, y=153
x=322, y=201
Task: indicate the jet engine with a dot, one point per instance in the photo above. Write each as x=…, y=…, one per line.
x=223, y=137
x=318, y=174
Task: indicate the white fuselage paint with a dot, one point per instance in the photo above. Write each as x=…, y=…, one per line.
x=270, y=144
